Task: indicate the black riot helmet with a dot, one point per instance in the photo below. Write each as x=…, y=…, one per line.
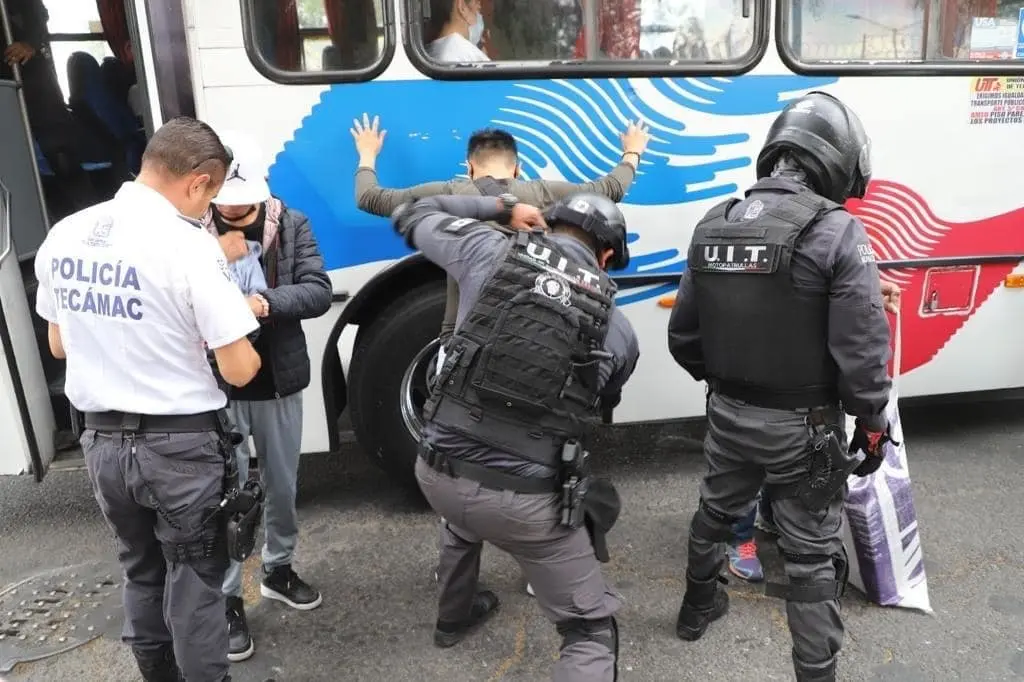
x=828, y=142
x=599, y=217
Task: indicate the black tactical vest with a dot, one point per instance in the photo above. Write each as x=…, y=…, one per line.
x=520, y=374
x=764, y=340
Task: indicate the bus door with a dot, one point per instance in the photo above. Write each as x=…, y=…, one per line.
x=26, y=412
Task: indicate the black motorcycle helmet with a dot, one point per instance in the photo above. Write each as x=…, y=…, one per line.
x=599, y=217
x=827, y=140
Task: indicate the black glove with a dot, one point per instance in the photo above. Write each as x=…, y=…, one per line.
x=870, y=465
x=871, y=443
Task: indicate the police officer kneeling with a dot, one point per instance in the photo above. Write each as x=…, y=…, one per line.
x=132, y=289
x=539, y=346
x=780, y=310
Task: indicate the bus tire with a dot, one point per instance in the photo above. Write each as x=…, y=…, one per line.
x=384, y=351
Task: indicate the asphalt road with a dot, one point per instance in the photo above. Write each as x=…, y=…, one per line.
x=372, y=553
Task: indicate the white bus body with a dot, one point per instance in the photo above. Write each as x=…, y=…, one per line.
x=943, y=211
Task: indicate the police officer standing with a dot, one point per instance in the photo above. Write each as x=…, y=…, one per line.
x=133, y=289
x=780, y=311
x=538, y=347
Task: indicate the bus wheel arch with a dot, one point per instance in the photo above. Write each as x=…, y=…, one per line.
x=398, y=313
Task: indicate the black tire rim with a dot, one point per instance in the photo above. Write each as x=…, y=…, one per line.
x=414, y=389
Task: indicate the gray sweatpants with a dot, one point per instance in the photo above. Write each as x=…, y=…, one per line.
x=159, y=494
x=559, y=562
x=276, y=429
x=746, y=446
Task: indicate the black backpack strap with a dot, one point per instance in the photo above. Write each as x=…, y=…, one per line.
x=489, y=187
x=802, y=210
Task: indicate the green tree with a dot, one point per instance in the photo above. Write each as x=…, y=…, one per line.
x=311, y=14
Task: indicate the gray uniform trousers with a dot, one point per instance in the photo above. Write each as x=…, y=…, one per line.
x=559, y=562
x=276, y=428
x=159, y=493
x=746, y=446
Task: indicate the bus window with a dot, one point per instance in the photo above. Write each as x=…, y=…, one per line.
x=604, y=35
x=894, y=34
x=317, y=40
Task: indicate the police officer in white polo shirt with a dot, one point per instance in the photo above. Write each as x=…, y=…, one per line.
x=135, y=292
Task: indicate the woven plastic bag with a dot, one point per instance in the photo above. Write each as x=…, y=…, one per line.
x=881, y=533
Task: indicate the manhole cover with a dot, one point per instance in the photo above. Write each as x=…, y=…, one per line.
x=56, y=611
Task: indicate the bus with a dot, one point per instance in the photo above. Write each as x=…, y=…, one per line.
x=939, y=85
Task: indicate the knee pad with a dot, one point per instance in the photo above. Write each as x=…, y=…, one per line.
x=810, y=591
x=603, y=631
x=709, y=524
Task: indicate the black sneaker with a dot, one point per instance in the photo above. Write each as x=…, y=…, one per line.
x=284, y=585
x=158, y=665
x=485, y=604
x=240, y=645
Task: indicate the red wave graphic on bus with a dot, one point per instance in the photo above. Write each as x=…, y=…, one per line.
x=936, y=301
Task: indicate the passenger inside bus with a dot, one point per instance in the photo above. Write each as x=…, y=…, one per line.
x=459, y=28
x=59, y=145
x=87, y=140
x=87, y=145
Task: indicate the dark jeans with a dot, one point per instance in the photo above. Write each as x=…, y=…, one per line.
x=743, y=530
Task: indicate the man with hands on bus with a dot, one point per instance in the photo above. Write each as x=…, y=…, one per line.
x=492, y=161
x=538, y=346
x=780, y=310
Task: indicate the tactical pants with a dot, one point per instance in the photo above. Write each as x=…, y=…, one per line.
x=155, y=496
x=276, y=429
x=746, y=446
x=558, y=562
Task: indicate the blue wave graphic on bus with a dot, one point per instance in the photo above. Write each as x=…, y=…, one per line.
x=567, y=128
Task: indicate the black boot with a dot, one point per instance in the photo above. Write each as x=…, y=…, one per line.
x=485, y=604
x=158, y=665
x=705, y=601
x=814, y=673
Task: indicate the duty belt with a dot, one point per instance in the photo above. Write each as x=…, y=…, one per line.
x=486, y=476
x=151, y=423
x=776, y=399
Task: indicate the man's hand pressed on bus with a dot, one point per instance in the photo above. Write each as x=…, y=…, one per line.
x=369, y=139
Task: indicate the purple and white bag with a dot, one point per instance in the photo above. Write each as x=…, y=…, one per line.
x=881, y=533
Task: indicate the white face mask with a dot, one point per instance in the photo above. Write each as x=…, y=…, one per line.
x=476, y=31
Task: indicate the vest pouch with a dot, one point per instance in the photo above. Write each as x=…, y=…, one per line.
x=528, y=360
x=457, y=361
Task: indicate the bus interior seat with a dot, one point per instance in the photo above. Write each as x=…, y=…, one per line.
x=117, y=77
x=432, y=19
x=331, y=58
x=64, y=195
x=47, y=171
x=100, y=110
